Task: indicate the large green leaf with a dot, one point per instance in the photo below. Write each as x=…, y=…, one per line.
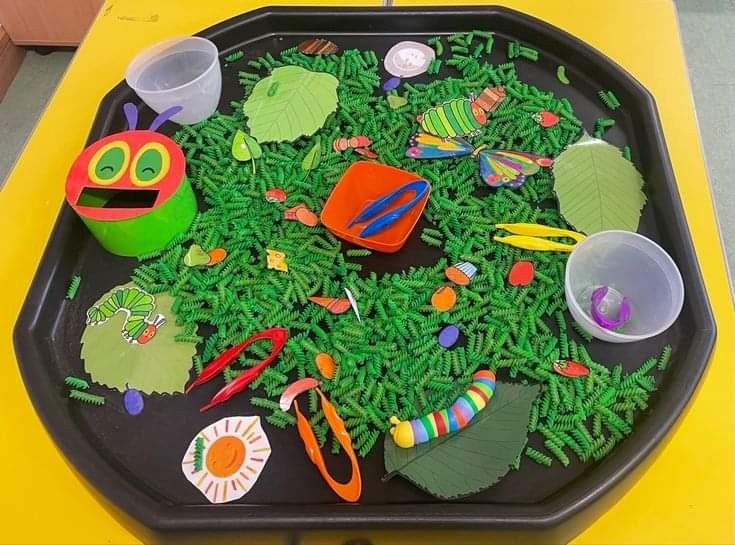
x=290, y=103
x=160, y=366
x=598, y=189
x=474, y=458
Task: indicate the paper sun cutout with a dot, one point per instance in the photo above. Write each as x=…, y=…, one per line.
x=233, y=452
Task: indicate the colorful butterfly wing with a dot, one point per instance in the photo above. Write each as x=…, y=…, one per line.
x=497, y=170
x=427, y=146
x=529, y=161
x=518, y=182
x=509, y=168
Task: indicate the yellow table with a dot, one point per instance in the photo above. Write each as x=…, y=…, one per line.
x=686, y=496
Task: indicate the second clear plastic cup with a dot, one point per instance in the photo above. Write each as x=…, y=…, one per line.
x=182, y=72
x=631, y=266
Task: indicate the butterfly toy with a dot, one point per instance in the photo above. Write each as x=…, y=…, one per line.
x=497, y=167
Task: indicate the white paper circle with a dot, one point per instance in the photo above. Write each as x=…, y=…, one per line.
x=408, y=59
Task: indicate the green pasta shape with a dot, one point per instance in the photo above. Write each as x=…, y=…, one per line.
x=88, y=398
x=74, y=283
x=76, y=382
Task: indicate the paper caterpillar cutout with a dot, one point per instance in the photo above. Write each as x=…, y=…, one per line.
x=408, y=433
x=138, y=305
x=461, y=116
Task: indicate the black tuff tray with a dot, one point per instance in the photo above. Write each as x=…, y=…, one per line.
x=135, y=462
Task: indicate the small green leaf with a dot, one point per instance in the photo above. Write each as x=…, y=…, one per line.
x=598, y=189
x=475, y=457
x=245, y=147
x=196, y=256
x=313, y=158
x=396, y=101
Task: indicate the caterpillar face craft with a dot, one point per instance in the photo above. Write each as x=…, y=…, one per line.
x=137, y=305
x=407, y=434
x=130, y=188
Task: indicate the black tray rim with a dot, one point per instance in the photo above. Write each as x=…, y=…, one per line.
x=544, y=515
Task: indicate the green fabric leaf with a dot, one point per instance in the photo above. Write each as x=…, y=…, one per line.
x=245, y=147
x=161, y=365
x=290, y=103
x=598, y=189
x=473, y=458
x=313, y=158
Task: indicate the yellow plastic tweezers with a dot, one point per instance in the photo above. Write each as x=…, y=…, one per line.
x=531, y=236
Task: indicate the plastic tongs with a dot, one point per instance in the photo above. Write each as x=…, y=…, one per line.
x=277, y=335
x=420, y=187
x=351, y=490
x=532, y=236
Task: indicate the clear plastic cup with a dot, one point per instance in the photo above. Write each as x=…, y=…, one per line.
x=631, y=266
x=182, y=72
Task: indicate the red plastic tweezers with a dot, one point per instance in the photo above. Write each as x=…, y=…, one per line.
x=277, y=335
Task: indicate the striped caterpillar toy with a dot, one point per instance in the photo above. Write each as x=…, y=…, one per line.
x=409, y=433
x=137, y=306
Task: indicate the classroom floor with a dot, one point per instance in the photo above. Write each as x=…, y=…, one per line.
x=707, y=29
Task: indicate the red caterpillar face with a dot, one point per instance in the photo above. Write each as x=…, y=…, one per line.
x=125, y=175
x=479, y=113
x=147, y=334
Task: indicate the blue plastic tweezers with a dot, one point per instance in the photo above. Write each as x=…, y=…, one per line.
x=420, y=187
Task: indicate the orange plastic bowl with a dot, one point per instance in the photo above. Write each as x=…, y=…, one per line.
x=362, y=183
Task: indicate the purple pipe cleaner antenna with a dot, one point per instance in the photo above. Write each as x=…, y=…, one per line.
x=131, y=114
x=164, y=116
